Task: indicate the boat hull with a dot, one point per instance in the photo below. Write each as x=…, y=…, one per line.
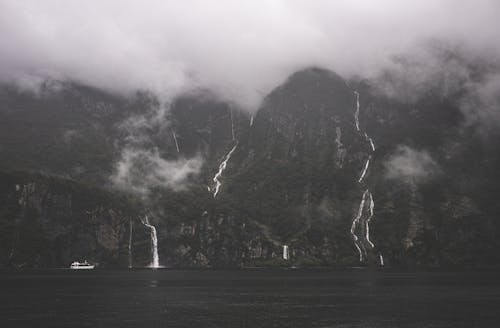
x=89, y=267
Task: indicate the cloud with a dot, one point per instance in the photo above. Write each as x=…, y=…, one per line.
x=410, y=165
x=141, y=167
x=482, y=102
x=471, y=80
x=238, y=49
x=434, y=68
x=139, y=171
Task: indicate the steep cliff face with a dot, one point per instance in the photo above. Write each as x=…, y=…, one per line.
x=336, y=171
x=50, y=221
x=297, y=170
x=430, y=170
x=202, y=125
x=346, y=175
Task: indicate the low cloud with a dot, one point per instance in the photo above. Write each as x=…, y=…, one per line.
x=142, y=167
x=434, y=68
x=139, y=171
x=410, y=165
x=238, y=49
x=481, y=104
x=446, y=71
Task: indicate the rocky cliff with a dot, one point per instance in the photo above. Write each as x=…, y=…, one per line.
x=338, y=172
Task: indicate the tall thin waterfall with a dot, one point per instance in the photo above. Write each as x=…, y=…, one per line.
x=222, y=167
x=175, y=140
x=154, y=243
x=367, y=203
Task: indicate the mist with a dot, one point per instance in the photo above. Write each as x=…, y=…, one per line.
x=139, y=171
x=410, y=165
x=238, y=49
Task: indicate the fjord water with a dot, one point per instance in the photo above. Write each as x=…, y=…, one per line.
x=249, y=298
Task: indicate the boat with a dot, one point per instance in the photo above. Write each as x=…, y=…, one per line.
x=81, y=265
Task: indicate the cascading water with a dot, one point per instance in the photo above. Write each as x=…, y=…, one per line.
x=357, y=242
x=154, y=243
x=222, y=167
x=365, y=169
x=223, y=164
x=175, y=140
x=356, y=113
x=367, y=222
x=366, y=200
x=381, y=259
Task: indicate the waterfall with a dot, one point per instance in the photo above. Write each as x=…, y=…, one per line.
x=365, y=169
x=154, y=243
x=251, y=120
x=286, y=253
x=362, y=245
x=222, y=167
x=176, y=143
x=381, y=259
x=370, y=140
x=355, y=222
x=359, y=249
x=367, y=222
x=356, y=113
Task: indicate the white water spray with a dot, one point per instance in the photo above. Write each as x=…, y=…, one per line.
x=154, y=243
x=372, y=145
x=222, y=167
x=367, y=195
x=381, y=259
x=251, y=120
x=356, y=114
x=176, y=143
x=359, y=249
x=367, y=222
x=355, y=223
x=286, y=252
x=364, y=170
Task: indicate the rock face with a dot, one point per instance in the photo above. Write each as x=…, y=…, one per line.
x=297, y=170
x=50, y=221
x=335, y=171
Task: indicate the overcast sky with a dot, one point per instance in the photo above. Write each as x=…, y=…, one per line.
x=240, y=49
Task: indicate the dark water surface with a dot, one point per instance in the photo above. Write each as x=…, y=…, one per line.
x=249, y=298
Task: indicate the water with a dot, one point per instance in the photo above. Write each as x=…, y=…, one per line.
x=248, y=298
x=155, y=259
x=222, y=167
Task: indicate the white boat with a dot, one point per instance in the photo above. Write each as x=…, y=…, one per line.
x=81, y=265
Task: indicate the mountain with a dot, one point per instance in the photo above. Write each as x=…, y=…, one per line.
x=334, y=169
x=48, y=220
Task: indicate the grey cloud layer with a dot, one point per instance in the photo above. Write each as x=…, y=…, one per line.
x=240, y=49
x=139, y=170
x=410, y=165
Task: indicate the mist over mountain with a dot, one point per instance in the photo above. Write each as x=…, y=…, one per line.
x=327, y=166
x=350, y=132
x=241, y=51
